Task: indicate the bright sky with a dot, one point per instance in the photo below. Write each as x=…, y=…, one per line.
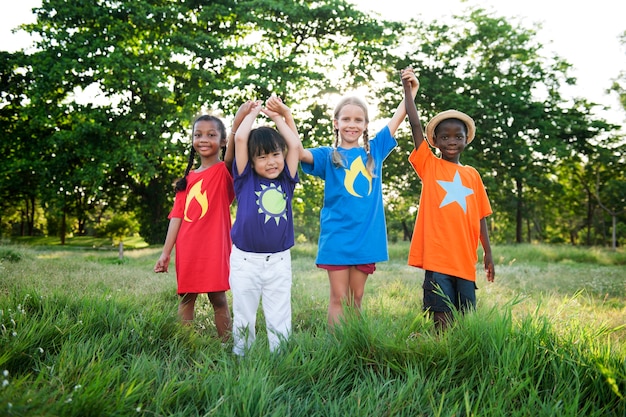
x=585, y=34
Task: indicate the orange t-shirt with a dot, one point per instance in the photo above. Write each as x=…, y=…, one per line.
x=447, y=229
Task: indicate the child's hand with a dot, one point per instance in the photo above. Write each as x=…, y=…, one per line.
x=243, y=110
x=256, y=107
x=162, y=264
x=490, y=269
x=409, y=76
x=275, y=105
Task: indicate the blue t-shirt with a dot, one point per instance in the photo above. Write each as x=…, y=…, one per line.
x=264, y=220
x=352, y=221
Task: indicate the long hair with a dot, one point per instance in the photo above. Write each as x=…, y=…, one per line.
x=181, y=184
x=336, y=156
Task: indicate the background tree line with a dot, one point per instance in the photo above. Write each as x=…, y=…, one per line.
x=95, y=120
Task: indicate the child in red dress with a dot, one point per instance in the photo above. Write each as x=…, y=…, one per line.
x=200, y=226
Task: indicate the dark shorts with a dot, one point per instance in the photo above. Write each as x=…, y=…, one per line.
x=365, y=268
x=443, y=292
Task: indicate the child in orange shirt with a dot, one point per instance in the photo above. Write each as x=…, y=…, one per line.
x=452, y=214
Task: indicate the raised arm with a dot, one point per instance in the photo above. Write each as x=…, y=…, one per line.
x=229, y=156
x=276, y=110
x=400, y=113
x=411, y=110
x=242, y=135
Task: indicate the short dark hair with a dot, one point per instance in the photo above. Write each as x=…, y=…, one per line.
x=265, y=140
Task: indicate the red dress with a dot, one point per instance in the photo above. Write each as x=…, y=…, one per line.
x=203, y=243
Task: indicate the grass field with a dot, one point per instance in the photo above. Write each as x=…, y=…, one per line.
x=85, y=334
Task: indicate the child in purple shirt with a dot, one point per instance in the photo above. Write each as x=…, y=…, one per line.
x=265, y=175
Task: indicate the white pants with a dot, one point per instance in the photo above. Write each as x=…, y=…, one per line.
x=254, y=276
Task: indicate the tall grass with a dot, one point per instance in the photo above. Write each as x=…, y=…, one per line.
x=82, y=334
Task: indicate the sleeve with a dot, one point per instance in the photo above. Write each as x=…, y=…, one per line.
x=179, y=205
x=483, y=199
x=292, y=179
x=320, y=159
x=239, y=179
x=419, y=158
x=383, y=143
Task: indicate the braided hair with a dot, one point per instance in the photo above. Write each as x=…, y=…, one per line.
x=181, y=184
x=336, y=156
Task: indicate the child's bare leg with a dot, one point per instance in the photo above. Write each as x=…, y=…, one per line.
x=221, y=311
x=442, y=320
x=186, y=307
x=357, y=287
x=339, y=285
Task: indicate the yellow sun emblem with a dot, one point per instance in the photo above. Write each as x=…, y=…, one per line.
x=272, y=202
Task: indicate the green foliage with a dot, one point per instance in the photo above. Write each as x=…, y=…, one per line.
x=545, y=254
x=149, y=67
x=496, y=71
x=10, y=255
x=88, y=337
x=120, y=226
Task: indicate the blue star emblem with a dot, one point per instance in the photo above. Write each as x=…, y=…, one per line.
x=455, y=192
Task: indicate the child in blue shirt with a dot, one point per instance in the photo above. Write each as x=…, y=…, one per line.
x=353, y=233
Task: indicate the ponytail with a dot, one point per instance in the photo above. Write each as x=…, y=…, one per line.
x=370, y=164
x=336, y=156
x=181, y=184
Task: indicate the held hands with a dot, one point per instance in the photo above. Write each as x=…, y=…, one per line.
x=243, y=110
x=408, y=77
x=274, y=107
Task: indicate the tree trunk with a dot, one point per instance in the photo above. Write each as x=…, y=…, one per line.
x=63, y=226
x=518, y=215
x=31, y=215
x=408, y=232
x=589, y=217
x=614, y=245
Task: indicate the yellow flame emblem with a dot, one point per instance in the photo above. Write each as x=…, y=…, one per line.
x=357, y=167
x=195, y=193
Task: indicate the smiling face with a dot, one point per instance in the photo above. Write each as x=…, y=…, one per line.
x=351, y=121
x=269, y=165
x=266, y=151
x=207, y=139
x=450, y=137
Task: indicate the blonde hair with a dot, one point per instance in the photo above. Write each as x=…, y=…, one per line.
x=336, y=156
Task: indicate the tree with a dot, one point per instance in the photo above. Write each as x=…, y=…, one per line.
x=119, y=227
x=155, y=63
x=21, y=144
x=610, y=185
x=494, y=71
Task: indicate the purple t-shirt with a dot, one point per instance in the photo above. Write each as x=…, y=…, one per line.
x=264, y=220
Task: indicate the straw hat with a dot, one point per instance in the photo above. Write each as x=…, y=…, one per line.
x=450, y=114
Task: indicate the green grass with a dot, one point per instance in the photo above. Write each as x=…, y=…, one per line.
x=83, y=334
x=82, y=242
